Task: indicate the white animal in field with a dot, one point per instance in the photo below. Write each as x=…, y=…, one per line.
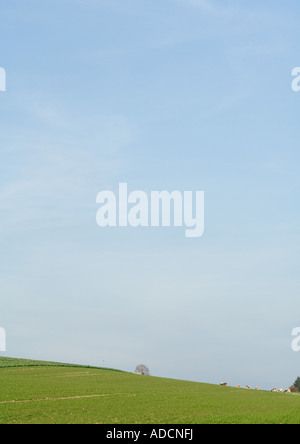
x=274, y=390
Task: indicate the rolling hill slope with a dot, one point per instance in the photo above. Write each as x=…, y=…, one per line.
x=34, y=392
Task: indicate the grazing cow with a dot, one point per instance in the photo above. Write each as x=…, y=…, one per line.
x=238, y=386
x=287, y=391
x=247, y=387
x=280, y=391
x=273, y=390
x=223, y=384
x=256, y=388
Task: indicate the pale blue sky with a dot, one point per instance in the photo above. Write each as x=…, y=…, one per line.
x=161, y=94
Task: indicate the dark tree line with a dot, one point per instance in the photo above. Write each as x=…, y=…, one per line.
x=297, y=384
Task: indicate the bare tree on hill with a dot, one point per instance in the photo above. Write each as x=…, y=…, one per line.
x=143, y=370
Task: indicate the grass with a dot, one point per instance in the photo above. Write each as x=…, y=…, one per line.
x=35, y=392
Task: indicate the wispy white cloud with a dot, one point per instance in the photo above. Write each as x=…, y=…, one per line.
x=57, y=162
x=208, y=6
x=245, y=11
x=204, y=4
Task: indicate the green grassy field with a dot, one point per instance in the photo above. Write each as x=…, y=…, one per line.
x=34, y=392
